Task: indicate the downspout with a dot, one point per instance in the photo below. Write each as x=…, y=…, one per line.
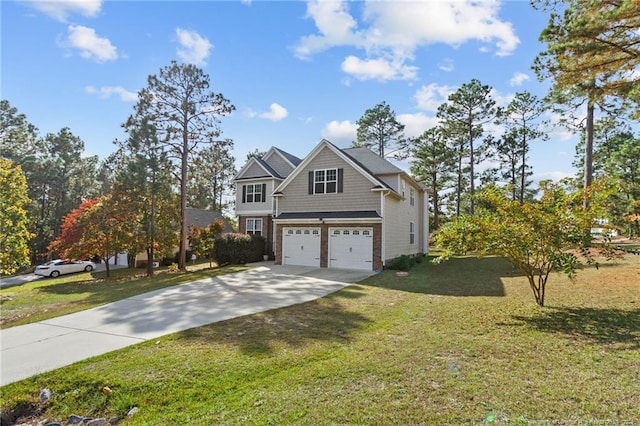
x=425, y=221
x=274, y=238
x=383, y=238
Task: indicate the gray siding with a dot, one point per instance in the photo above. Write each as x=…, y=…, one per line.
x=255, y=208
x=356, y=195
x=254, y=170
x=279, y=164
x=397, y=215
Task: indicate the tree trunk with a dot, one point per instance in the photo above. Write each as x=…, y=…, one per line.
x=182, y=258
x=523, y=165
x=588, y=149
x=436, y=218
x=471, y=171
x=459, y=186
x=106, y=257
x=150, y=261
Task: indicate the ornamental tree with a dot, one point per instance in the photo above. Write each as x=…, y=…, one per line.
x=537, y=238
x=14, y=231
x=68, y=242
x=202, y=240
x=106, y=229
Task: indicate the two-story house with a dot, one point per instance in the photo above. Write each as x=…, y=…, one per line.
x=341, y=208
x=255, y=184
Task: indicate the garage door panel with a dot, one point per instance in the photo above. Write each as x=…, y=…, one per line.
x=301, y=246
x=351, y=248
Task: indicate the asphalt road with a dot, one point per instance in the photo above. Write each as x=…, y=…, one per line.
x=27, y=278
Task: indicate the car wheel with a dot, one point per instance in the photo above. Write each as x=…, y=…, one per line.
x=55, y=274
x=88, y=268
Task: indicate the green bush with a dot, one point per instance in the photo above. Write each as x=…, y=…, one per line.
x=402, y=263
x=238, y=249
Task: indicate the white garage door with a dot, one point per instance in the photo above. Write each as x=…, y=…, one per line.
x=301, y=246
x=351, y=248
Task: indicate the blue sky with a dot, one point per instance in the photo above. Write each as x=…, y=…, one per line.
x=296, y=71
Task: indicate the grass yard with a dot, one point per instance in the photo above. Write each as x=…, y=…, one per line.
x=458, y=343
x=51, y=297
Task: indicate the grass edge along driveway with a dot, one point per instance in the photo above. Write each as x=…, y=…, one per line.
x=51, y=297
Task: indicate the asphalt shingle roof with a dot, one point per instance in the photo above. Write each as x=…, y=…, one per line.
x=201, y=218
x=372, y=161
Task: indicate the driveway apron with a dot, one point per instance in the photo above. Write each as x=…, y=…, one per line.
x=46, y=345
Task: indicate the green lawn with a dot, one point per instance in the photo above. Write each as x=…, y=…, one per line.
x=52, y=297
x=458, y=343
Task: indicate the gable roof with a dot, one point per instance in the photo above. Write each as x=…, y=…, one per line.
x=357, y=165
x=292, y=159
x=372, y=161
x=378, y=165
x=262, y=162
x=201, y=218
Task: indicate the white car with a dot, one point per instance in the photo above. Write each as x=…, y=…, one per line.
x=55, y=268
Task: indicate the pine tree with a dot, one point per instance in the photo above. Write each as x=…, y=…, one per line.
x=185, y=114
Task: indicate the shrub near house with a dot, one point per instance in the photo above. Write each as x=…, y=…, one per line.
x=233, y=248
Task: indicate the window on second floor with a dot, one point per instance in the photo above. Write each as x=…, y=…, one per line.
x=254, y=193
x=412, y=196
x=325, y=181
x=254, y=226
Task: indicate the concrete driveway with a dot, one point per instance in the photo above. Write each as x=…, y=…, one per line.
x=46, y=345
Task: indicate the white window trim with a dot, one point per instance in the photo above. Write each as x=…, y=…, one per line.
x=412, y=196
x=254, y=228
x=412, y=233
x=325, y=181
x=253, y=189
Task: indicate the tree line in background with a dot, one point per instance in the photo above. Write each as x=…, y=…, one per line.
x=134, y=200
x=592, y=59
x=445, y=158
x=173, y=156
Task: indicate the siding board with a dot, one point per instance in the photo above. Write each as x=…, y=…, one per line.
x=356, y=193
x=279, y=164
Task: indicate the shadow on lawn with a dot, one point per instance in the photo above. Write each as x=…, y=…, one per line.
x=460, y=276
x=324, y=319
x=602, y=326
x=126, y=283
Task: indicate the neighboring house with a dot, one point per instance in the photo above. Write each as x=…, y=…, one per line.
x=255, y=184
x=338, y=208
x=199, y=218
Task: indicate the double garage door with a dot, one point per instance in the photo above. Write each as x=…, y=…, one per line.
x=348, y=248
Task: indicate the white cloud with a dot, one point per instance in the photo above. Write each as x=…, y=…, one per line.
x=276, y=113
x=335, y=25
x=519, y=78
x=194, y=48
x=90, y=45
x=556, y=176
x=396, y=29
x=340, y=132
x=62, y=9
x=378, y=69
x=416, y=124
x=446, y=65
x=430, y=97
x=106, y=92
